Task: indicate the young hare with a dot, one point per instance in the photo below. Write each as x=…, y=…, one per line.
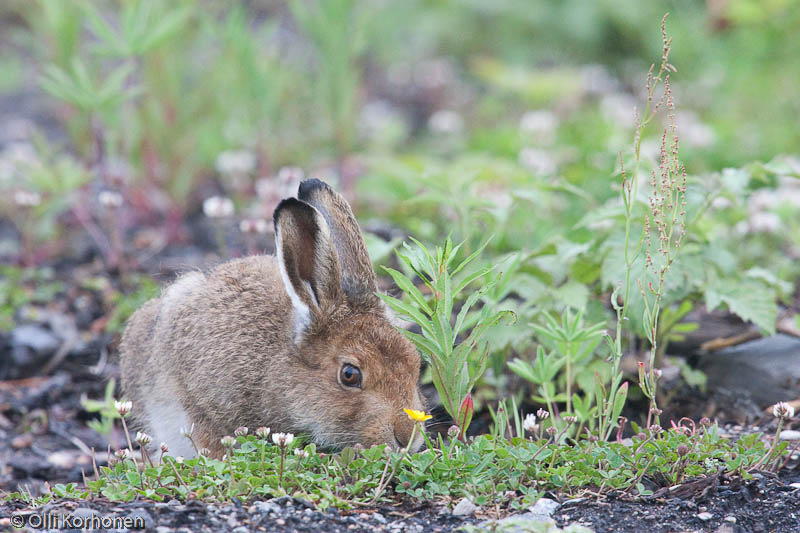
x=298, y=342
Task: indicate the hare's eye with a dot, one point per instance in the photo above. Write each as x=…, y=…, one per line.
x=350, y=376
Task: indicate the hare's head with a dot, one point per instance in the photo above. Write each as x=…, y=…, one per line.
x=355, y=371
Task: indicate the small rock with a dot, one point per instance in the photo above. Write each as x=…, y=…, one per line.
x=730, y=518
x=464, y=508
x=84, y=512
x=795, y=485
x=789, y=434
x=163, y=529
x=149, y=523
x=266, y=507
x=22, y=441
x=544, y=508
x=36, y=338
x=706, y=516
x=175, y=505
x=240, y=529
x=378, y=517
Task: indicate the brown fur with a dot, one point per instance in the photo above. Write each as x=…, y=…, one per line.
x=226, y=346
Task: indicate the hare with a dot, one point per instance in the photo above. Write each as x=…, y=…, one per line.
x=298, y=342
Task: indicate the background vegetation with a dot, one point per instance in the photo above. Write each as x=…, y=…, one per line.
x=150, y=125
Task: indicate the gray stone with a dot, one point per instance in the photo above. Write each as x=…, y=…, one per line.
x=267, y=507
x=84, y=512
x=528, y=523
x=544, y=508
x=240, y=529
x=464, y=508
x=789, y=434
x=762, y=368
x=163, y=529
x=538, y=517
x=706, y=516
x=149, y=523
x=29, y=342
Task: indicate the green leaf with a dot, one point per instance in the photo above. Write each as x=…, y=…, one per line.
x=750, y=299
x=408, y=287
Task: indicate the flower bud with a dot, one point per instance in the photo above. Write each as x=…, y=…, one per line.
x=123, y=408
x=453, y=432
x=143, y=439
x=227, y=441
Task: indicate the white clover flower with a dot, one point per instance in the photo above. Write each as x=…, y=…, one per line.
x=446, y=121
x=540, y=124
x=529, y=423
x=236, y=162
x=123, y=453
x=765, y=222
x=241, y=431
x=282, y=439
x=179, y=459
x=783, y=410
x=257, y=225
x=110, y=199
x=227, y=441
x=543, y=414
x=218, y=207
x=27, y=198
x=164, y=447
x=693, y=131
x=538, y=162
x=187, y=431
x=123, y=408
x=291, y=175
x=143, y=439
x=302, y=454
x=262, y=432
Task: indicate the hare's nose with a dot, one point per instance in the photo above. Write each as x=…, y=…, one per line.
x=401, y=437
x=402, y=432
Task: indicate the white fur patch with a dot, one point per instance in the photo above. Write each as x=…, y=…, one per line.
x=302, y=315
x=166, y=418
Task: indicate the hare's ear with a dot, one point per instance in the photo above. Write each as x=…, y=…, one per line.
x=358, y=278
x=308, y=261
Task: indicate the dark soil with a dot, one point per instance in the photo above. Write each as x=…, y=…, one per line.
x=763, y=505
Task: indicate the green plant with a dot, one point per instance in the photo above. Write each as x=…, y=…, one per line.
x=455, y=366
x=106, y=409
x=570, y=344
x=491, y=470
x=21, y=286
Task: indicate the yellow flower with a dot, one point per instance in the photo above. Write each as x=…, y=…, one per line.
x=417, y=416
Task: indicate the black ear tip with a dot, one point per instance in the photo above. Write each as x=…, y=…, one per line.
x=290, y=204
x=307, y=187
